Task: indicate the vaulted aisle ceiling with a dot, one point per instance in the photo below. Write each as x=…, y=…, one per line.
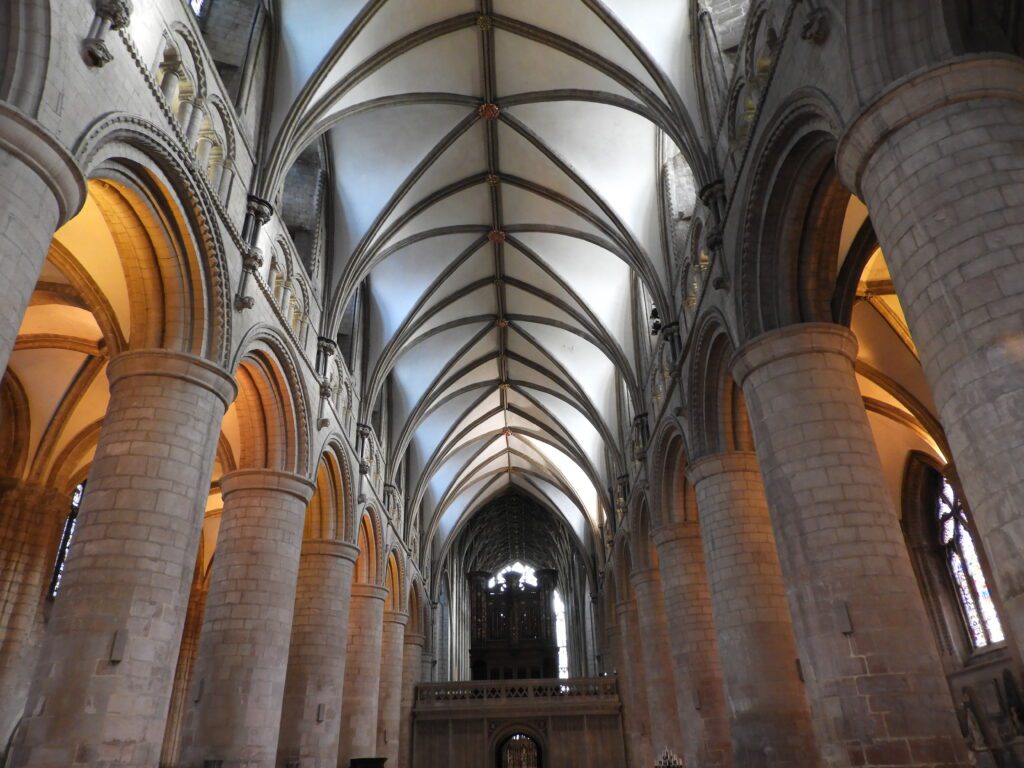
x=498, y=190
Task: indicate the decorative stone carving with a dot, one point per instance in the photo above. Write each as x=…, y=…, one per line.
x=489, y=111
x=251, y=262
x=110, y=15
x=496, y=236
x=816, y=29
x=493, y=179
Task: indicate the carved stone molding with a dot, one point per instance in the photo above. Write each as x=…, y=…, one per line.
x=489, y=111
x=110, y=15
x=39, y=150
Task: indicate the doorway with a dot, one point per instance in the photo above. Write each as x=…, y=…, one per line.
x=519, y=751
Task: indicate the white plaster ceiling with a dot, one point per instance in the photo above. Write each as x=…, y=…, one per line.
x=500, y=255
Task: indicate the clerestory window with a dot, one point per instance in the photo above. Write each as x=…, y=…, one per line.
x=65, y=540
x=965, y=570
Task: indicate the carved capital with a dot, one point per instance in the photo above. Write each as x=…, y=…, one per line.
x=97, y=52
x=817, y=27
x=260, y=209
x=117, y=12
x=253, y=259
x=326, y=344
x=244, y=302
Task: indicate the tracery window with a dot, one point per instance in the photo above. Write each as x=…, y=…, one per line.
x=65, y=540
x=969, y=583
x=562, y=637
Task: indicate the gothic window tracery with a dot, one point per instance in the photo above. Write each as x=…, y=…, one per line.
x=965, y=570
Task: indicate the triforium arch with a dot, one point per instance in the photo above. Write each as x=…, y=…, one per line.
x=271, y=409
x=791, y=219
x=675, y=501
x=183, y=296
x=418, y=606
x=369, y=538
x=717, y=416
x=395, y=581
x=331, y=512
x=641, y=545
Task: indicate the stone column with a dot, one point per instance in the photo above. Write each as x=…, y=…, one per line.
x=860, y=622
x=412, y=673
x=427, y=667
x=238, y=686
x=362, y=673
x=102, y=687
x=700, y=695
x=41, y=187
x=657, y=661
x=30, y=527
x=311, y=715
x=389, y=707
x=187, y=653
x=636, y=710
x=938, y=161
x=769, y=721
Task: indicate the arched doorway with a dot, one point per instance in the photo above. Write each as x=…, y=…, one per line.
x=519, y=751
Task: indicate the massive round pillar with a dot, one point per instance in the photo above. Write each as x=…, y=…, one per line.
x=311, y=714
x=769, y=720
x=656, y=658
x=389, y=706
x=938, y=160
x=412, y=671
x=238, y=684
x=41, y=187
x=858, y=615
x=697, y=671
x=30, y=520
x=362, y=673
x=103, y=684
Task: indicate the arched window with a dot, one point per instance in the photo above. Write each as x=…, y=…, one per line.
x=519, y=751
x=65, y=540
x=198, y=6
x=965, y=569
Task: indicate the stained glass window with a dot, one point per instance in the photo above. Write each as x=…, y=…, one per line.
x=965, y=569
x=561, y=637
x=65, y=540
x=528, y=572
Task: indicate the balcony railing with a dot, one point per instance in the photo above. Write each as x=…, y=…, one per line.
x=585, y=688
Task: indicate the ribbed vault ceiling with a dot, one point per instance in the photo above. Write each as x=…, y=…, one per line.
x=513, y=528
x=497, y=173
